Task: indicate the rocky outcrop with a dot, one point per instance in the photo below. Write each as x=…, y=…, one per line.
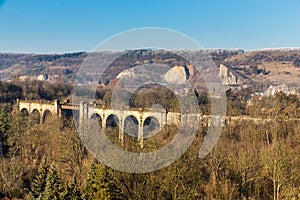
x=126, y=72
x=42, y=77
x=150, y=74
x=272, y=90
x=176, y=75
x=191, y=70
x=227, y=76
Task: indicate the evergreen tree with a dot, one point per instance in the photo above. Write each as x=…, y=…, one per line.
x=89, y=188
x=265, y=72
x=100, y=184
x=53, y=190
x=3, y=129
x=256, y=70
x=38, y=185
x=72, y=191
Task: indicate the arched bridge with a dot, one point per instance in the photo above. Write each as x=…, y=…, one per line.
x=91, y=111
x=142, y=119
x=39, y=109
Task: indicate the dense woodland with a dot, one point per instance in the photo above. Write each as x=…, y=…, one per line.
x=250, y=161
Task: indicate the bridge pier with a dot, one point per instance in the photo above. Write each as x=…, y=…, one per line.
x=81, y=118
x=57, y=107
x=103, y=124
x=141, y=134
x=121, y=132
x=41, y=117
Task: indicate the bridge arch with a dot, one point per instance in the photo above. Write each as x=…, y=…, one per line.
x=46, y=115
x=131, y=125
x=96, y=118
x=24, y=112
x=112, y=121
x=36, y=116
x=151, y=126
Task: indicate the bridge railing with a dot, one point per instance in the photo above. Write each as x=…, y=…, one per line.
x=71, y=106
x=42, y=101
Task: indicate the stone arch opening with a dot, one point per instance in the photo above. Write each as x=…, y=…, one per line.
x=112, y=121
x=151, y=127
x=131, y=126
x=111, y=128
x=24, y=112
x=36, y=116
x=96, y=118
x=47, y=115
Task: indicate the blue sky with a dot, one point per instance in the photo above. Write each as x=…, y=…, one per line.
x=57, y=26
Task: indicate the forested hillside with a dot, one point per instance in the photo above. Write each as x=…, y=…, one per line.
x=250, y=160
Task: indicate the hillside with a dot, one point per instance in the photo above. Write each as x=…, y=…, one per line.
x=238, y=67
x=271, y=66
x=33, y=65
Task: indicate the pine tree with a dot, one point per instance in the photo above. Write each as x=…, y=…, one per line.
x=72, y=191
x=107, y=189
x=3, y=129
x=265, y=72
x=88, y=190
x=256, y=70
x=38, y=185
x=100, y=184
x=53, y=190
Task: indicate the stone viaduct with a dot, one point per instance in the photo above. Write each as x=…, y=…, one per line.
x=141, y=117
x=40, y=109
x=88, y=112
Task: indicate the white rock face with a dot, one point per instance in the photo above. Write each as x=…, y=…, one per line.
x=155, y=74
x=127, y=72
x=42, y=77
x=228, y=78
x=272, y=90
x=176, y=75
